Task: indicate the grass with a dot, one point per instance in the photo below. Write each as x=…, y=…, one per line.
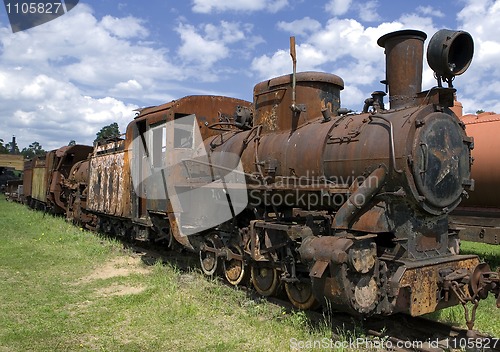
x=487, y=252
x=65, y=289
x=487, y=316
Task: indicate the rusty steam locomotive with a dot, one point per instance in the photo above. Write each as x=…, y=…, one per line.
x=331, y=205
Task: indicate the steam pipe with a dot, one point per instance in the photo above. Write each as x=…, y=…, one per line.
x=370, y=186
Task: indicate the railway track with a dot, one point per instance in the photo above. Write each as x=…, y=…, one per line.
x=390, y=333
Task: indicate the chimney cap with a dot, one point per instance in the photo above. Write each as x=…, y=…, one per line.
x=409, y=33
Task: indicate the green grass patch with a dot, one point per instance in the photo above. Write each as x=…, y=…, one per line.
x=489, y=253
x=488, y=315
x=65, y=289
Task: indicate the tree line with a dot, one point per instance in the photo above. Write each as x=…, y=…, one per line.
x=36, y=149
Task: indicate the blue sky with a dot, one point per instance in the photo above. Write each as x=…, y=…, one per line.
x=66, y=79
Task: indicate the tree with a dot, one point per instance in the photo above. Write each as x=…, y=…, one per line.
x=12, y=148
x=3, y=149
x=107, y=132
x=34, y=149
x=72, y=142
x=480, y=111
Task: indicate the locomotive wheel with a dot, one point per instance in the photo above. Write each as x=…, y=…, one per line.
x=208, y=258
x=301, y=295
x=234, y=269
x=265, y=280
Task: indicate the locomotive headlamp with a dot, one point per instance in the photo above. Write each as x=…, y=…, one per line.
x=449, y=54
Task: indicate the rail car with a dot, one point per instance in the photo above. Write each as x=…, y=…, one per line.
x=104, y=195
x=44, y=178
x=294, y=191
x=478, y=216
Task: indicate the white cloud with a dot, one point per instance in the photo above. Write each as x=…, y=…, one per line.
x=226, y=32
x=130, y=86
x=128, y=27
x=269, y=66
x=277, y=5
x=414, y=21
x=198, y=49
x=338, y=7
x=39, y=89
x=303, y=26
x=204, y=46
x=368, y=11
x=54, y=112
x=480, y=19
x=209, y=6
x=56, y=80
x=430, y=11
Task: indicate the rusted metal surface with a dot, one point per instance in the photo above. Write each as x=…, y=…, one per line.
x=404, y=55
x=106, y=191
x=358, y=293
x=420, y=155
x=273, y=98
x=209, y=110
x=419, y=286
x=477, y=224
x=359, y=198
x=58, y=164
x=77, y=186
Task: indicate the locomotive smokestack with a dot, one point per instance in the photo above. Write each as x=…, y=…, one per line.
x=404, y=51
x=13, y=145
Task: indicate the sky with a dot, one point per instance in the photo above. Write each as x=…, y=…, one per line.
x=66, y=79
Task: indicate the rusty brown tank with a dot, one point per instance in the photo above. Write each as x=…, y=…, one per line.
x=478, y=217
